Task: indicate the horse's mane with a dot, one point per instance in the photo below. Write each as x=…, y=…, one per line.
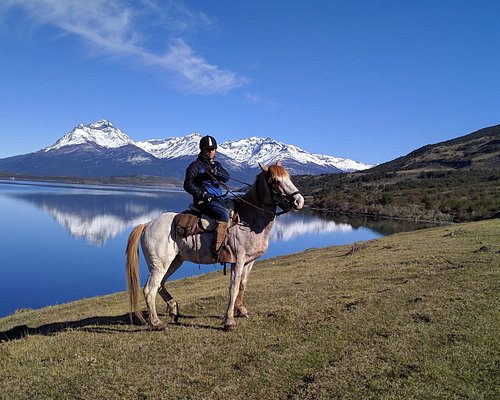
x=278, y=171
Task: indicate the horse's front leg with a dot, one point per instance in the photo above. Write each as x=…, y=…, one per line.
x=234, y=287
x=239, y=309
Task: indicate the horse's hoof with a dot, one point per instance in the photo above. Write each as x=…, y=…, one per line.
x=159, y=326
x=229, y=328
x=241, y=314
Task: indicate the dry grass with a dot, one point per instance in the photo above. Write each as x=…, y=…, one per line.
x=409, y=316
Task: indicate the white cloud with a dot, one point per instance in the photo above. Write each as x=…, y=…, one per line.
x=252, y=98
x=114, y=28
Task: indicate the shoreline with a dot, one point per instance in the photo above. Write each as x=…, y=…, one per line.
x=382, y=216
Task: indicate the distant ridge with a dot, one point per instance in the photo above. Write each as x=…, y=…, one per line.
x=100, y=149
x=477, y=150
x=456, y=180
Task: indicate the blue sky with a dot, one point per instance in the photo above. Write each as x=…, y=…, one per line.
x=369, y=80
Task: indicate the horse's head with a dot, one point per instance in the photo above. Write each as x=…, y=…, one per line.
x=281, y=188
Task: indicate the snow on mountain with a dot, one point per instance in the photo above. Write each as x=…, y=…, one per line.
x=102, y=133
x=247, y=152
x=239, y=154
x=256, y=149
x=172, y=147
x=267, y=150
x=344, y=164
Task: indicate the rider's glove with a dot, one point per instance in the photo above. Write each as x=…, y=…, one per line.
x=213, y=170
x=207, y=197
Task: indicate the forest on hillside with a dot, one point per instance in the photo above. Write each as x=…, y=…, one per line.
x=450, y=195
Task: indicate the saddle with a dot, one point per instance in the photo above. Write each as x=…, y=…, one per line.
x=193, y=222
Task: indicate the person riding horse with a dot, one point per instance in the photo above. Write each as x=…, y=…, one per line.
x=203, y=181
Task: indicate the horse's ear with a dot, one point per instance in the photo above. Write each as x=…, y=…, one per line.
x=278, y=163
x=263, y=167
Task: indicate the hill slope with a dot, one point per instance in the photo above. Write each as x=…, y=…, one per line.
x=412, y=315
x=457, y=180
x=477, y=150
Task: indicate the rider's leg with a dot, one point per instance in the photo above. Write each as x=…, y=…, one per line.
x=221, y=214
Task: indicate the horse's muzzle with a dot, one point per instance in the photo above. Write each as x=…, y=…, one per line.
x=298, y=202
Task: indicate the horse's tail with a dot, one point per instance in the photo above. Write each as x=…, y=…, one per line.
x=132, y=272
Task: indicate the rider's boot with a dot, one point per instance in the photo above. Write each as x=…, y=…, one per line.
x=220, y=235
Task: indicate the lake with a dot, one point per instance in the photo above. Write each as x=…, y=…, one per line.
x=63, y=242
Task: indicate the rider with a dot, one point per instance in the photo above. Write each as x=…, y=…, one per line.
x=203, y=181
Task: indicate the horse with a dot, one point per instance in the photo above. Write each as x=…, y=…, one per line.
x=165, y=251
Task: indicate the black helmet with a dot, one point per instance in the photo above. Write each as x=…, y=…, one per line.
x=208, y=142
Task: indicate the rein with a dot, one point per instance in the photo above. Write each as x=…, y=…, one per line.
x=286, y=198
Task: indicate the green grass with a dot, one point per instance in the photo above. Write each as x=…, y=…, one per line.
x=408, y=316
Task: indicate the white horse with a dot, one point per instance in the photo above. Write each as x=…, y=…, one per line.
x=164, y=251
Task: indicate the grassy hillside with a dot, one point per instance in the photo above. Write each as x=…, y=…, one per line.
x=408, y=316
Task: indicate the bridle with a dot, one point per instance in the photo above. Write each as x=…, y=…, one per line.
x=280, y=199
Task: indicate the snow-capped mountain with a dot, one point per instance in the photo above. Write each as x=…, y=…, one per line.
x=267, y=150
x=102, y=133
x=100, y=149
x=248, y=152
x=172, y=147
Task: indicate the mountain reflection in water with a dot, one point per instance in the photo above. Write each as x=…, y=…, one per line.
x=289, y=226
x=102, y=215
x=99, y=216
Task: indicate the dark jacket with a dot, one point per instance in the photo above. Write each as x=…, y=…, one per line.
x=200, y=182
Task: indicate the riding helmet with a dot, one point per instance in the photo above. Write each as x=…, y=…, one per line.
x=208, y=142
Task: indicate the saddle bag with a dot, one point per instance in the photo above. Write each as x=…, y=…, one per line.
x=186, y=225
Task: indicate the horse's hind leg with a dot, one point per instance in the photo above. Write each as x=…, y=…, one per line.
x=172, y=306
x=150, y=291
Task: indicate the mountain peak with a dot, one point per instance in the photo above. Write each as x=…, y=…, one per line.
x=172, y=147
x=101, y=124
x=102, y=133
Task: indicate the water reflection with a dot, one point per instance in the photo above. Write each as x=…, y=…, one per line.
x=383, y=226
x=99, y=215
x=56, y=268
x=289, y=226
